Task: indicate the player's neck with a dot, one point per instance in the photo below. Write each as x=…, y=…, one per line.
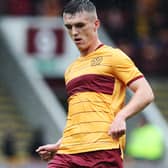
x=92, y=48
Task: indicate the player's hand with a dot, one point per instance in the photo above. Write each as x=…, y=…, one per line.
x=117, y=128
x=47, y=152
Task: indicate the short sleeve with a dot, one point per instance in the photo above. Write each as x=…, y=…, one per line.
x=124, y=68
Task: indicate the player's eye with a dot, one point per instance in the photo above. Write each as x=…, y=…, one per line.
x=79, y=25
x=69, y=27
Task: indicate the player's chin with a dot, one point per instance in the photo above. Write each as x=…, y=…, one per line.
x=82, y=46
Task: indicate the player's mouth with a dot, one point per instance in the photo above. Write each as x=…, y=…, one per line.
x=78, y=40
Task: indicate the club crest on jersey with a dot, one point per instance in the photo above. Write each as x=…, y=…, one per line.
x=96, y=61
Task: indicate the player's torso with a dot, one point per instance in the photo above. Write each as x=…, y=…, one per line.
x=94, y=98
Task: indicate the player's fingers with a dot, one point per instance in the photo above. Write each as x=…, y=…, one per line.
x=118, y=134
x=42, y=155
x=40, y=148
x=43, y=152
x=46, y=156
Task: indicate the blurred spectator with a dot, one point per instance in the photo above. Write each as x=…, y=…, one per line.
x=19, y=7
x=51, y=8
x=9, y=145
x=150, y=59
x=146, y=142
x=118, y=19
x=144, y=12
x=36, y=141
x=2, y=7
x=117, y=22
x=127, y=47
x=163, y=42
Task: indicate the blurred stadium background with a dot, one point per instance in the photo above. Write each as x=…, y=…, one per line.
x=34, y=52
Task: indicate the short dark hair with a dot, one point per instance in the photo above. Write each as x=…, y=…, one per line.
x=75, y=6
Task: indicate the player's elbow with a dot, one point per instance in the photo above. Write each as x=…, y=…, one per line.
x=150, y=97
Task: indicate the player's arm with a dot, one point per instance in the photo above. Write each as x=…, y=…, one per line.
x=143, y=95
x=47, y=152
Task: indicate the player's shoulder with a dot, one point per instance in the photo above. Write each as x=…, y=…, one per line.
x=114, y=52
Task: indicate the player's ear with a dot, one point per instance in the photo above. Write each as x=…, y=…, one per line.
x=97, y=24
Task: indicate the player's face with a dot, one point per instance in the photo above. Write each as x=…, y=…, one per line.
x=82, y=28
